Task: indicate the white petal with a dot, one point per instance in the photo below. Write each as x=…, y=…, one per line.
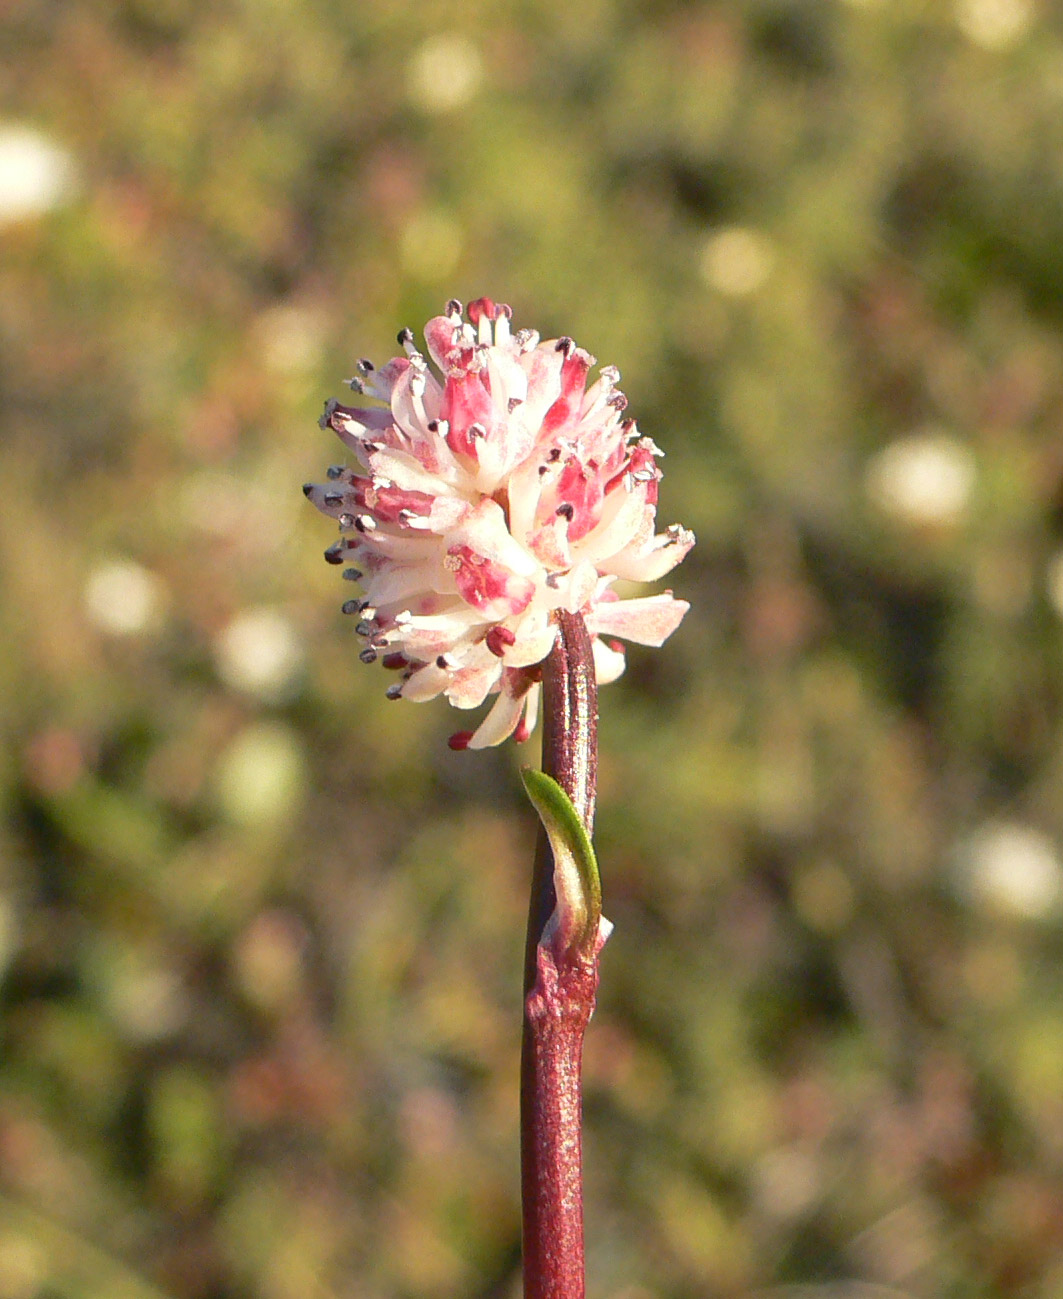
x=647, y=621
x=402, y=583
x=500, y=722
x=525, y=487
x=406, y=471
x=542, y=365
x=650, y=562
x=623, y=516
x=412, y=412
x=608, y=662
x=469, y=687
x=535, y=639
x=531, y=712
x=485, y=531
x=427, y=637
x=426, y=683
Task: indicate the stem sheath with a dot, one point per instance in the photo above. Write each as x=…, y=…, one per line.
x=559, y=999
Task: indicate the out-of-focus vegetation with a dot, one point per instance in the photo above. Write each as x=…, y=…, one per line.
x=260, y=930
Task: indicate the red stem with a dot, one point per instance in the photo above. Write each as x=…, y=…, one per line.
x=558, y=1001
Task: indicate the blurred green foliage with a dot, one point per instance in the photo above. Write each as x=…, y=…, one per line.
x=260, y=931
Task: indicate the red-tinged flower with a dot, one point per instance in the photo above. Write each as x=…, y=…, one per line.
x=487, y=499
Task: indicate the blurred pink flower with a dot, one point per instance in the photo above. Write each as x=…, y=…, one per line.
x=490, y=499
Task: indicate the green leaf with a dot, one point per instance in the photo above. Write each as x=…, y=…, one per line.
x=576, y=880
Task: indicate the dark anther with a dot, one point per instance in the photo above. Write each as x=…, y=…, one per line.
x=554, y=455
x=346, y=521
x=405, y=336
x=332, y=498
x=394, y=692
x=368, y=655
x=433, y=426
x=352, y=606
x=441, y=662
x=564, y=345
x=334, y=554
x=352, y=574
x=333, y=472
x=453, y=308
x=514, y=402
x=308, y=490
x=566, y=511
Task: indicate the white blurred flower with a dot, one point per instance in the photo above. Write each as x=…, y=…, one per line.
x=924, y=479
x=259, y=653
x=36, y=174
x=147, y=998
x=123, y=598
x=9, y=930
x=1054, y=582
x=291, y=338
x=430, y=243
x=995, y=24
x=786, y=1181
x=736, y=261
x=261, y=775
x=488, y=498
x=444, y=73
x=1010, y=867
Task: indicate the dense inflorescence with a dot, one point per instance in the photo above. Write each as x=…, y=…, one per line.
x=485, y=500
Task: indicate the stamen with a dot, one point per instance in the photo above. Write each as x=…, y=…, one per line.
x=498, y=639
x=334, y=554
x=325, y=422
x=502, y=319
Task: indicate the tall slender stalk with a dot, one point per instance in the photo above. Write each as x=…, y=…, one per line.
x=559, y=997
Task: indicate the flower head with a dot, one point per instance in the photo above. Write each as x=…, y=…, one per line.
x=486, y=500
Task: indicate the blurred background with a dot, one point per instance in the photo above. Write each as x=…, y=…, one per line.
x=260, y=931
